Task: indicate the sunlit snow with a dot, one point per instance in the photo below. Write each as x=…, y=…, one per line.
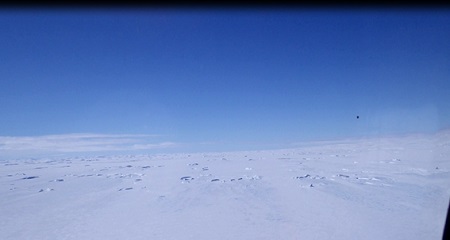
x=385, y=188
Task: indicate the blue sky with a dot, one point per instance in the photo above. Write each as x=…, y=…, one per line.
x=219, y=79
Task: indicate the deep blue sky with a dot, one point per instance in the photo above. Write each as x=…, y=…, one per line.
x=224, y=79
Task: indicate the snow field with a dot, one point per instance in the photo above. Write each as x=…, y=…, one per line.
x=390, y=188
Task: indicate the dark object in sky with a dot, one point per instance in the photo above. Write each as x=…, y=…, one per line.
x=357, y=117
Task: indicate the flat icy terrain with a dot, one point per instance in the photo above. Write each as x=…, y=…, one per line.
x=389, y=188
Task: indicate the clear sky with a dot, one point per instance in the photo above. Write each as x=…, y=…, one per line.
x=218, y=79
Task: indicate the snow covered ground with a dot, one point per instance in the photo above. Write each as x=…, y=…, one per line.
x=386, y=188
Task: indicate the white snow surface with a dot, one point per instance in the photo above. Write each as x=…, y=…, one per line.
x=385, y=188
